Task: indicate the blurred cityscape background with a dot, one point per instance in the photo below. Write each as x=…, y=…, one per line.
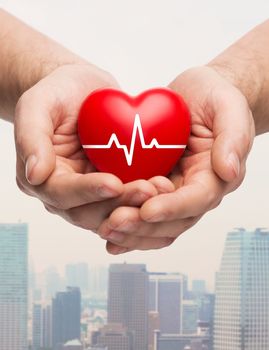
x=126, y=307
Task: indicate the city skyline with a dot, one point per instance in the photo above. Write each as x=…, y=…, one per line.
x=141, y=292
x=140, y=308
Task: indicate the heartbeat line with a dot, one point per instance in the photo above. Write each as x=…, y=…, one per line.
x=137, y=128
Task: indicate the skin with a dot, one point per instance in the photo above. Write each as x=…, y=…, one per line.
x=50, y=162
x=229, y=105
x=227, y=100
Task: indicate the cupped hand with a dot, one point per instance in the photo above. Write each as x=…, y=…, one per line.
x=51, y=164
x=213, y=165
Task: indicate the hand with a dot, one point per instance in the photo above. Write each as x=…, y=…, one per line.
x=51, y=164
x=212, y=166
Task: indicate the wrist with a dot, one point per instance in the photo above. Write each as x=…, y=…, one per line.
x=246, y=79
x=247, y=75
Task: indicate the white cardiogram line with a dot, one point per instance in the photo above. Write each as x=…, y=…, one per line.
x=129, y=154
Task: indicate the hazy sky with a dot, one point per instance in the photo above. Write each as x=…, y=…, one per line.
x=144, y=44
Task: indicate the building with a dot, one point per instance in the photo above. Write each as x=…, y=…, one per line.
x=206, y=304
x=154, y=325
x=128, y=301
x=66, y=310
x=77, y=275
x=241, y=317
x=198, y=287
x=98, y=281
x=41, y=327
x=180, y=342
x=72, y=345
x=14, y=286
x=37, y=327
x=114, y=336
x=54, y=282
x=165, y=297
x=189, y=317
x=46, y=327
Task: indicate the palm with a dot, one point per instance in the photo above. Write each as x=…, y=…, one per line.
x=195, y=162
x=204, y=99
x=65, y=105
x=69, y=154
x=214, y=162
x=62, y=171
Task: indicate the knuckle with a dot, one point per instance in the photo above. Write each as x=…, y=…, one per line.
x=166, y=242
x=76, y=217
x=53, y=197
x=109, y=79
x=211, y=200
x=50, y=208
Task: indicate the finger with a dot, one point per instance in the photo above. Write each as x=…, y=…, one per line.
x=69, y=189
x=162, y=184
x=234, y=133
x=90, y=216
x=33, y=135
x=73, y=190
x=202, y=194
x=135, y=243
x=125, y=222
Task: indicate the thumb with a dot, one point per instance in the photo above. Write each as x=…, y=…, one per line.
x=33, y=137
x=233, y=133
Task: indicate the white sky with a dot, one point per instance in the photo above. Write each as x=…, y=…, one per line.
x=144, y=44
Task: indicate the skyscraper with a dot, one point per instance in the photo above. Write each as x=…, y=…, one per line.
x=54, y=282
x=114, y=336
x=189, y=317
x=13, y=286
x=47, y=327
x=37, y=326
x=165, y=297
x=66, y=309
x=241, y=317
x=198, y=287
x=154, y=325
x=77, y=275
x=98, y=281
x=128, y=301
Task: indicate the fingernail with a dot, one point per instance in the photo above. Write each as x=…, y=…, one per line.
x=106, y=192
x=116, y=237
x=29, y=167
x=233, y=160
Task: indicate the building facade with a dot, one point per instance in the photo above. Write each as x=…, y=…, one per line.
x=165, y=297
x=189, y=317
x=77, y=275
x=114, y=336
x=13, y=286
x=128, y=301
x=37, y=327
x=66, y=313
x=241, y=317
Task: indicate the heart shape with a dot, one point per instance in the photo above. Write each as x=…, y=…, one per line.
x=134, y=137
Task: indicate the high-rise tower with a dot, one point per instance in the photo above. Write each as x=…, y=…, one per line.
x=13, y=286
x=241, y=317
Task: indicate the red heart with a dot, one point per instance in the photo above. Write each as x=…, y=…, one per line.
x=134, y=137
